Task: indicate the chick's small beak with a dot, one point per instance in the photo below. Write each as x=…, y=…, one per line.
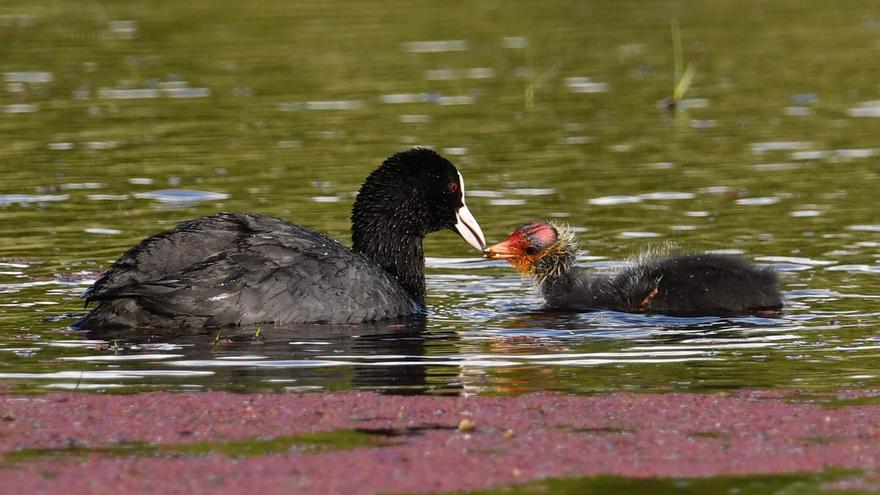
x=467, y=227
x=503, y=250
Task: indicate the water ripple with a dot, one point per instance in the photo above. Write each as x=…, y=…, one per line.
x=181, y=196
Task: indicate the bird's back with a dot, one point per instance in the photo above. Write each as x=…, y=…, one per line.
x=236, y=269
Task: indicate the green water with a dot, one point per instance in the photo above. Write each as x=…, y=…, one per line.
x=284, y=108
x=311, y=442
x=756, y=484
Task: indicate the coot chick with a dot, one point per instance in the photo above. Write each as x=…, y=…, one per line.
x=241, y=269
x=679, y=285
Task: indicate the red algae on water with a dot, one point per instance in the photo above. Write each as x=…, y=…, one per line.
x=81, y=443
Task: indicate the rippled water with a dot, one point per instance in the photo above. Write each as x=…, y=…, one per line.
x=117, y=121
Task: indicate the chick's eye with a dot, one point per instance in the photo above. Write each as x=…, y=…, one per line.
x=531, y=250
x=453, y=187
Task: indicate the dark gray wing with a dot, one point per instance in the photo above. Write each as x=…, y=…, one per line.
x=279, y=273
x=176, y=249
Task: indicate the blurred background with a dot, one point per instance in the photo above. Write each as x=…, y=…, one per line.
x=737, y=125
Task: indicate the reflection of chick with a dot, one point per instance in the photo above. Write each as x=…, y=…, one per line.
x=684, y=284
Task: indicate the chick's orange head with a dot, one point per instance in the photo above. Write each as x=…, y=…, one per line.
x=525, y=246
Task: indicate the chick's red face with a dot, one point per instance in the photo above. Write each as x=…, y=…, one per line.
x=525, y=246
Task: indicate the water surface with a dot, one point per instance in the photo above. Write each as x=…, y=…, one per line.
x=118, y=121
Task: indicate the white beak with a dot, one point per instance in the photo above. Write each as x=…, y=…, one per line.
x=468, y=228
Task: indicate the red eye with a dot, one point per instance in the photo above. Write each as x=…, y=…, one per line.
x=453, y=187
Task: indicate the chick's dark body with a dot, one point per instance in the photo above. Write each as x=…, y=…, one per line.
x=679, y=285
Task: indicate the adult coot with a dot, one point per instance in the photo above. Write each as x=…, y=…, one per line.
x=683, y=285
x=239, y=269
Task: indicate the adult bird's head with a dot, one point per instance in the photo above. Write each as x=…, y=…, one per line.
x=414, y=193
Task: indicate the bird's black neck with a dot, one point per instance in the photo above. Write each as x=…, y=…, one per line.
x=400, y=254
x=384, y=229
